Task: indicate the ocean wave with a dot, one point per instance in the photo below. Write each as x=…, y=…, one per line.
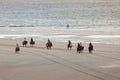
x=21, y=26
x=17, y=36
x=58, y=36
x=104, y=36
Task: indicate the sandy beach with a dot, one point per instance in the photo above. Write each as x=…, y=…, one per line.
x=39, y=63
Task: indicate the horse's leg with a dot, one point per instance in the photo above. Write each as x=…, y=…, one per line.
x=89, y=50
x=47, y=47
x=79, y=51
x=23, y=44
x=70, y=47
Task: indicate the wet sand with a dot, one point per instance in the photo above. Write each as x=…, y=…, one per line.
x=39, y=63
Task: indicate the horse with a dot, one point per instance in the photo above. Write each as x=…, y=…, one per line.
x=69, y=46
x=24, y=43
x=80, y=48
x=90, y=48
x=17, y=49
x=32, y=43
x=49, y=45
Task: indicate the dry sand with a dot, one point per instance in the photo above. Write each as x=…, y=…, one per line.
x=38, y=63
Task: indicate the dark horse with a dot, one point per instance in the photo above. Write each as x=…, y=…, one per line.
x=49, y=45
x=17, y=49
x=80, y=48
x=69, y=46
x=32, y=42
x=90, y=48
x=24, y=43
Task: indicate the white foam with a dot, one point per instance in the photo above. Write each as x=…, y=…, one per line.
x=17, y=36
x=104, y=36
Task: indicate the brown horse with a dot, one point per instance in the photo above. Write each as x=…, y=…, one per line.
x=32, y=43
x=80, y=48
x=69, y=46
x=49, y=45
x=24, y=43
x=17, y=49
x=90, y=48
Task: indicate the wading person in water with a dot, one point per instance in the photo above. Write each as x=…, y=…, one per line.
x=67, y=25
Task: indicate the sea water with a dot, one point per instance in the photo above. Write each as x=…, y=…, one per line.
x=95, y=22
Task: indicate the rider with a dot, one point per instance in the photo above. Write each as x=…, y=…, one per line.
x=69, y=42
x=31, y=39
x=90, y=47
x=81, y=44
x=90, y=44
x=49, y=44
x=48, y=40
x=32, y=42
x=24, y=38
x=17, y=49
